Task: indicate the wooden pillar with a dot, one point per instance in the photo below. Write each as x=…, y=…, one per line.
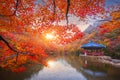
x=85, y=52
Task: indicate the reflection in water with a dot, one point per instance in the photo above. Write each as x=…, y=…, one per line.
x=51, y=63
x=92, y=69
x=7, y=75
x=95, y=73
x=68, y=67
x=58, y=70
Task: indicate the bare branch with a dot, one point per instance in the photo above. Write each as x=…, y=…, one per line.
x=1, y=38
x=54, y=5
x=67, y=10
x=17, y=52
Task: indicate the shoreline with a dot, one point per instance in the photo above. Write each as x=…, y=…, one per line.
x=104, y=59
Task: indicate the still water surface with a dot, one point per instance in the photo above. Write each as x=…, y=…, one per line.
x=58, y=70
x=67, y=68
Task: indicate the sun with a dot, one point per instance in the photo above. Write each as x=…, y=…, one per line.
x=49, y=36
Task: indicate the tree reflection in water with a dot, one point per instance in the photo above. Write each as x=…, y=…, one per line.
x=68, y=67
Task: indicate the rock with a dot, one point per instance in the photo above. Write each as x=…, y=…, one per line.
x=115, y=61
x=106, y=58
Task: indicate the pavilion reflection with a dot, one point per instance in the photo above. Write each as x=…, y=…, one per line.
x=93, y=69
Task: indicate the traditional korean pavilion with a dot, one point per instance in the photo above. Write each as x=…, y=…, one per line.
x=92, y=48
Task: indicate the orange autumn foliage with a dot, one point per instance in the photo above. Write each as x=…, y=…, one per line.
x=113, y=24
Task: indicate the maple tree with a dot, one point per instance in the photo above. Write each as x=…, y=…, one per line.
x=112, y=24
x=108, y=33
x=24, y=23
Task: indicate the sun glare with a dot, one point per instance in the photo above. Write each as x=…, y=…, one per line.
x=50, y=36
x=51, y=63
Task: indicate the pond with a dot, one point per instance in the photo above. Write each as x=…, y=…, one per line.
x=66, y=68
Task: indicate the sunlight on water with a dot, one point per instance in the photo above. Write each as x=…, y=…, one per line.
x=51, y=63
x=58, y=70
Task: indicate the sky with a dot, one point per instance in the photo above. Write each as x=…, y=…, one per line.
x=112, y=2
x=82, y=25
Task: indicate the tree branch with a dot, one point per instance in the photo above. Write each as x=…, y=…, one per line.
x=67, y=10
x=17, y=52
x=54, y=5
x=1, y=38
